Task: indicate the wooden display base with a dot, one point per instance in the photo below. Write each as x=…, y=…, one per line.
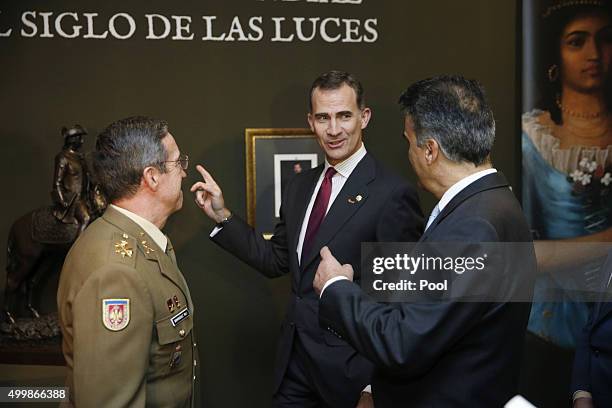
x=30, y=353
x=32, y=341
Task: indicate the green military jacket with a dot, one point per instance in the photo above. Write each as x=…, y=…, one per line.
x=127, y=319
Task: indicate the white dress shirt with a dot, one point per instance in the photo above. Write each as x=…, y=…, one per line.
x=460, y=186
x=151, y=229
x=456, y=189
x=343, y=171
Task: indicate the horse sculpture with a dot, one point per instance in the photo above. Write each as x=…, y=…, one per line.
x=39, y=240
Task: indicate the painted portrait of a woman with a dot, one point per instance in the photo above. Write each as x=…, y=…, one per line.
x=567, y=178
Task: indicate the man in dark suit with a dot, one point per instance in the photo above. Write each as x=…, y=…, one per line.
x=444, y=353
x=592, y=374
x=349, y=199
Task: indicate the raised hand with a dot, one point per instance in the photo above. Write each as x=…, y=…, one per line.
x=209, y=197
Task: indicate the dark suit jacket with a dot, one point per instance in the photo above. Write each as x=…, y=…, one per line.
x=444, y=353
x=388, y=211
x=593, y=359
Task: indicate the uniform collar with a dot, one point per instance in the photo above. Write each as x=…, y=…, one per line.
x=155, y=233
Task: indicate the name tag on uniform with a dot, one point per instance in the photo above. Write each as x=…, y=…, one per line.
x=180, y=316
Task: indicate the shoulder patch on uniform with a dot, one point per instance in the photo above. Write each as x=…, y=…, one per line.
x=115, y=313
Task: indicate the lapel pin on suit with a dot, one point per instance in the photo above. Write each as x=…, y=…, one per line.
x=356, y=199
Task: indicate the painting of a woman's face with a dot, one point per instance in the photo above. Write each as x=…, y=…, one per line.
x=586, y=52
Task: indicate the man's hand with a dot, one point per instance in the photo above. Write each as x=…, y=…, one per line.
x=329, y=268
x=366, y=401
x=209, y=197
x=583, y=403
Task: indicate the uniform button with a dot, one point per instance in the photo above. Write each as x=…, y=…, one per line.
x=291, y=324
x=182, y=333
x=596, y=351
x=194, y=345
x=195, y=363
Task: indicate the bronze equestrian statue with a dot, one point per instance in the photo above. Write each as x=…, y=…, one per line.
x=39, y=240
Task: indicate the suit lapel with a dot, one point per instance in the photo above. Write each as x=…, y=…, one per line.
x=170, y=270
x=344, y=206
x=604, y=306
x=488, y=182
x=304, y=192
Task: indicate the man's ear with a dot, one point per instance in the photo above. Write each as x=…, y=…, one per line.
x=311, y=121
x=150, y=177
x=366, y=114
x=432, y=151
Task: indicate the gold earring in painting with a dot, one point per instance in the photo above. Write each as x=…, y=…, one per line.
x=553, y=73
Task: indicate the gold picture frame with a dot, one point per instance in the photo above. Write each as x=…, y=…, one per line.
x=269, y=152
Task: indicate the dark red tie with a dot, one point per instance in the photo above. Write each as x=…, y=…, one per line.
x=318, y=210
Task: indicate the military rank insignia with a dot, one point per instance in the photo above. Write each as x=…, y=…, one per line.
x=173, y=303
x=115, y=313
x=170, y=305
x=145, y=245
x=123, y=248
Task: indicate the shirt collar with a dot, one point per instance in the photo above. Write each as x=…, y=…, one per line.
x=460, y=185
x=346, y=167
x=155, y=233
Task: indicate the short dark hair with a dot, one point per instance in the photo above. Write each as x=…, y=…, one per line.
x=335, y=79
x=123, y=150
x=454, y=112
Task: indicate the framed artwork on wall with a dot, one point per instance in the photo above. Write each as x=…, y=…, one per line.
x=566, y=145
x=273, y=157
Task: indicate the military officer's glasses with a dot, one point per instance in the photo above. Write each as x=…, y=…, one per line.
x=182, y=161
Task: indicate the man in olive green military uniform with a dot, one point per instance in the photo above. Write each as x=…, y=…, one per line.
x=124, y=306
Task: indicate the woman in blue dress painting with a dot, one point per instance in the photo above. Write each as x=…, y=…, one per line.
x=567, y=182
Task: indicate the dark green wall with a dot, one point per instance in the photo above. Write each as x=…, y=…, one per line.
x=209, y=93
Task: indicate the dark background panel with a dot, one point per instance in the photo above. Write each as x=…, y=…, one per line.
x=210, y=92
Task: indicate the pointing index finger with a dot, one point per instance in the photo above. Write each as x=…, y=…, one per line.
x=205, y=174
